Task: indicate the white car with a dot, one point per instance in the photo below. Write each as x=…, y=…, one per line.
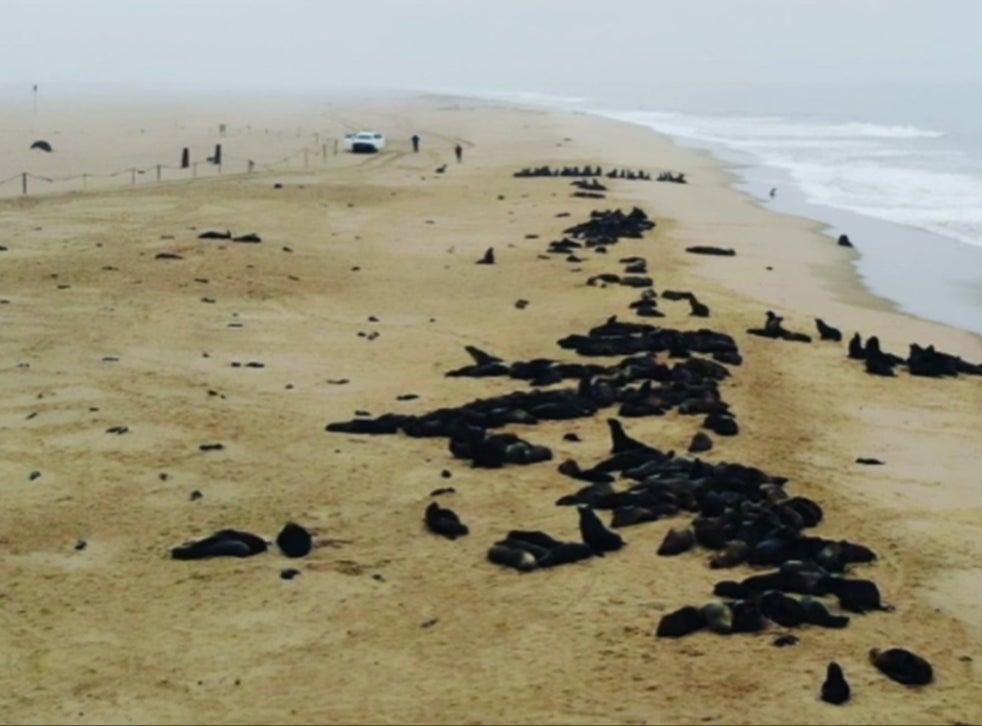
x=364, y=142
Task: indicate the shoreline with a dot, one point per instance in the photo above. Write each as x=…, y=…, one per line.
x=393, y=623
x=916, y=247
x=875, y=264
x=877, y=260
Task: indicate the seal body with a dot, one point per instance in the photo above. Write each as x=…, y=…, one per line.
x=224, y=543
x=595, y=534
x=835, y=689
x=444, y=522
x=294, y=541
x=902, y=666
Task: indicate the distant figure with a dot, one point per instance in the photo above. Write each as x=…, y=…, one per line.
x=459, y=152
x=415, y=141
x=773, y=192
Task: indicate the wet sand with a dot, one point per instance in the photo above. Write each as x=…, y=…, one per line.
x=118, y=632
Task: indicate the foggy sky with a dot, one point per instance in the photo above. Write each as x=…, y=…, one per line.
x=558, y=46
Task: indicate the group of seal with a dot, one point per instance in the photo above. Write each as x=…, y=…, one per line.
x=293, y=540
x=604, y=228
x=586, y=171
x=920, y=361
x=467, y=426
x=740, y=515
x=691, y=384
x=774, y=328
x=896, y=663
x=589, y=185
x=667, y=176
x=530, y=550
x=252, y=237
x=696, y=308
x=607, y=227
x=711, y=250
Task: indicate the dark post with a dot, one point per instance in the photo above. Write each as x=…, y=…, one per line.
x=186, y=158
x=23, y=183
x=158, y=172
x=218, y=154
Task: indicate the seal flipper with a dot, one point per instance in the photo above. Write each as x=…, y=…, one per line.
x=480, y=357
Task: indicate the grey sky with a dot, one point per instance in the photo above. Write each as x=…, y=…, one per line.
x=562, y=46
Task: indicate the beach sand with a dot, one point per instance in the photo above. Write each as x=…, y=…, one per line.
x=118, y=632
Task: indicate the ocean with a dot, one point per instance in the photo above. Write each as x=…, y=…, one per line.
x=898, y=168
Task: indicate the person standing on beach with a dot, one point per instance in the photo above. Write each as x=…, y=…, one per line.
x=459, y=152
x=415, y=141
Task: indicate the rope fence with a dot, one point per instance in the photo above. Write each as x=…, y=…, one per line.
x=189, y=169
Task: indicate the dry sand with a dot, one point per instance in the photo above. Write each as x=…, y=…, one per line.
x=120, y=633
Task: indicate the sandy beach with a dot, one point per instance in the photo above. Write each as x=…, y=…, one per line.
x=386, y=622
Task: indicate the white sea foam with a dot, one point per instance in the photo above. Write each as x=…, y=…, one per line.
x=894, y=172
x=890, y=172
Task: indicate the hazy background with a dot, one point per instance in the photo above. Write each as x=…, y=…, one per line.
x=565, y=47
x=866, y=113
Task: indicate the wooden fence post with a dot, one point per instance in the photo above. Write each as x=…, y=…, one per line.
x=186, y=158
x=23, y=183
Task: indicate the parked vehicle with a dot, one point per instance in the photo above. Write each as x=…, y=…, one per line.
x=364, y=142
